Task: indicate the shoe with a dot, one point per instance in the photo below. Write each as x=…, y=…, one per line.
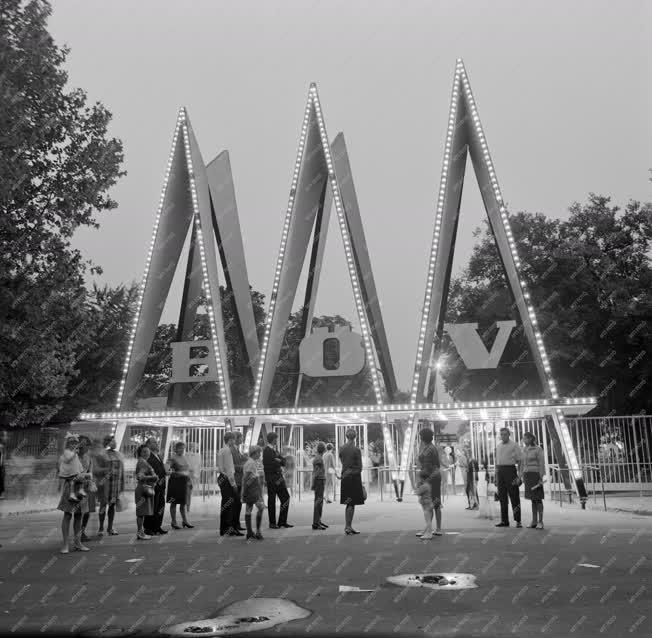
x=161, y=532
x=274, y=527
x=475, y=507
x=100, y=533
x=418, y=534
x=84, y=538
x=141, y=536
x=352, y=531
x=518, y=525
x=329, y=501
x=250, y=535
x=318, y=527
x=286, y=525
x=532, y=525
x=234, y=532
x=258, y=536
x=189, y=526
x=501, y=525
x=540, y=525
x=175, y=526
x=81, y=548
x=467, y=508
x=323, y=525
x=426, y=537
x=112, y=532
x=438, y=532
x=64, y=550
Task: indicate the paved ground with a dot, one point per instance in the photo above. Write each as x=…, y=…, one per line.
x=529, y=581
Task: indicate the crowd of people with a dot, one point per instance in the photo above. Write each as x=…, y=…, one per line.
x=93, y=480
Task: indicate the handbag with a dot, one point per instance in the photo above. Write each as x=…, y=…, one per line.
x=149, y=491
x=364, y=493
x=119, y=504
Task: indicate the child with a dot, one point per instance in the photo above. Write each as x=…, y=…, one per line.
x=423, y=491
x=252, y=491
x=71, y=469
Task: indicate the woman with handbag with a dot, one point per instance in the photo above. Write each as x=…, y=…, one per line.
x=86, y=459
x=144, y=494
x=534, y=471
x=352, y=492
x=110, y=483
x=179, y=485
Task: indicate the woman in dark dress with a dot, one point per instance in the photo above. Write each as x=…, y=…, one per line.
x=351, y=490
x=179, y=485
x=429, y=463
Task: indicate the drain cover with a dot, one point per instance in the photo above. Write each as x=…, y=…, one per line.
x=434, y=581
x=253, y=614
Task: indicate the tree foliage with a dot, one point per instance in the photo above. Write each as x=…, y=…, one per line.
x=57, y=166
x=590, y=279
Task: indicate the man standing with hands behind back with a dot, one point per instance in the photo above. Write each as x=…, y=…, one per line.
x=273, y=463
x=508, y=456
x=153, y=524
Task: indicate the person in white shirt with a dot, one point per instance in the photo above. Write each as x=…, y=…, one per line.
x=329, y=469
x=226, y=481
x=508, y=456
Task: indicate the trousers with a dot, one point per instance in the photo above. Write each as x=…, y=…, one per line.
x=506, y=475
x=229, y=503
x=319, y=501
x=276, y=487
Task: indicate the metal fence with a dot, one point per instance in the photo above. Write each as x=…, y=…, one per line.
x=617, y=449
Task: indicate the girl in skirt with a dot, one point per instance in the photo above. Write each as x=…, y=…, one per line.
x=252, y=491
x=534, y=470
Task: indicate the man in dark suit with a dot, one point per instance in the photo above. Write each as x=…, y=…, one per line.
x=152, y=525
x=272, y=464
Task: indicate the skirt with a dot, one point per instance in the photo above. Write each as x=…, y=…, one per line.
x=144, y=503
x=351, y=490
x=179, y=490
x=69, y=507
x=530, y=479
x=435, y=490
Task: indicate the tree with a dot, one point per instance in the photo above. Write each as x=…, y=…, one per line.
x=56, y=169
x=101, y=362
x=590, y=280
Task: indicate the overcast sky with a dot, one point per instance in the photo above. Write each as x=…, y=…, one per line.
x=563, y=91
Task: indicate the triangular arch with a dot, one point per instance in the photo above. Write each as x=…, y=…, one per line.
x=316, y=183
x=465, y=135
x=188, y=198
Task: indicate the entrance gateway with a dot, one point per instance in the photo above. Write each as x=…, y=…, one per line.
x=198, y=202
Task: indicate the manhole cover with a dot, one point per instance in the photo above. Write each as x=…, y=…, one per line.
x=244, y=616
x=434, y=581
